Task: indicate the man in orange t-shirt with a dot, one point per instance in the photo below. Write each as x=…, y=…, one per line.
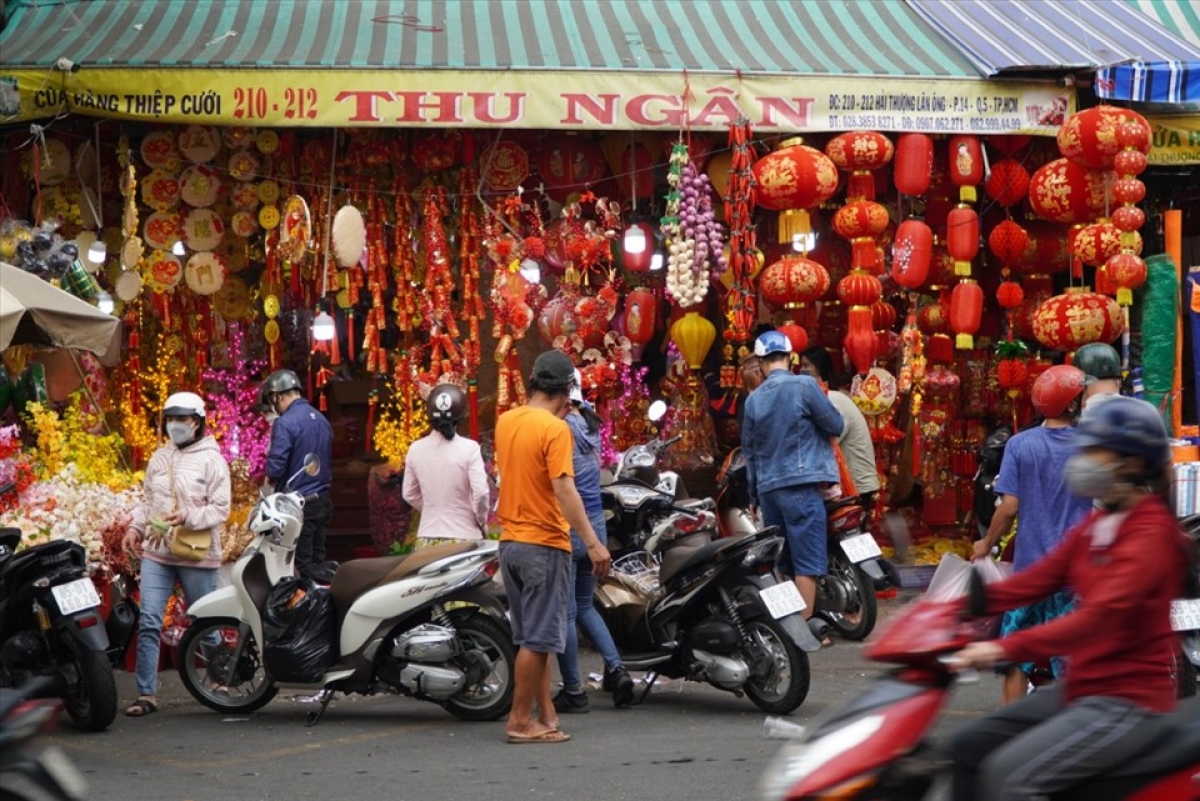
x=538, y=507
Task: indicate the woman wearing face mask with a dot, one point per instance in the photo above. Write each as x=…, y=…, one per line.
x=187, y=484
x=1125, y=562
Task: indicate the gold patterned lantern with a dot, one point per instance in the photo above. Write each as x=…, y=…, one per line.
x=1069, y=321
x=791, y=180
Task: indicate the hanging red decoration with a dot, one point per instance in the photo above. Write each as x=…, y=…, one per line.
x=962, y=238
x=1128, y=218
x=1130, y=162
x=796, y=335
x=860, y=343
x=1011, y=375
x=1009, y=295
x=639, y=261
x=1064, y=192
x=568, y=164
x=860, y=152
x=1067, y=322
x=641, y=315
x=1089, y=138
x=1129, y=190
x=966, y=313
x=792, y=179
x=792, y=282
x=1047, y=251
x=941, y=268
x=1127, y=272
x=933, y=318
x=1096, y=243
x=1008, y=241
x=914, y=163
x=1008, y=182
x=859, y=288
x=966, y=166
x=883, y=315
x=1008, y=144
x=557, y=319
x=912, y=252
x=860, y=222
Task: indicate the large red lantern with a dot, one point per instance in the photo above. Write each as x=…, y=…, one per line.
x=1068, y=322
x=1089, y=138
x=1064, y=192
x=933, y=318
x=791, y=180
x=966, y=313
x=860, y=222
x=1094, y=244
x=1008, y=182
x=962, y=238
x=568, y=164
x=641, y=315
x=966, y=166
x=912, y=251
x=914, y=163
x=792, y=282
x=1047, y=251
x=860, y=152
x=1127, y=272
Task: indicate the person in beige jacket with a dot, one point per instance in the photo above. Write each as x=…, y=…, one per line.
x=187, y=484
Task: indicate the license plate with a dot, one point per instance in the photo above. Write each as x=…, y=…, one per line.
x=56, y=764
x=76, y=596
x=860, y=548
x=1185, y=614
x=782, y=600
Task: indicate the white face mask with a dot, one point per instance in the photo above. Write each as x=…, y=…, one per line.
x=180, y=433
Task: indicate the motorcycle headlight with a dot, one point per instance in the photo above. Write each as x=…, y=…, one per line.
x=639, y=457
x=796, y=761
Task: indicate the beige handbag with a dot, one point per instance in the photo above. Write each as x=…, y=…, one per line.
x=192, y=544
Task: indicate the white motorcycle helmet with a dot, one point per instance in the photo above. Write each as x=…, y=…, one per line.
x=282, y=513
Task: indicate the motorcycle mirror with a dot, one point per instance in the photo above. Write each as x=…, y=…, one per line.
x=657, y=411
x=312, y=464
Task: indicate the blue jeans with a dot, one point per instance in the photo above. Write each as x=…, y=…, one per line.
x=158, y=582
x=799, y=511
x=582, y=610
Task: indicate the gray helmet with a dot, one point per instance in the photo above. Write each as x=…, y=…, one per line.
x=281, y=381
x=1098, y=360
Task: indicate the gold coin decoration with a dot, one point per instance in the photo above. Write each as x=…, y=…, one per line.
x=271, y=306
x=271, y=332
x=267, y=142
x=268, y=217
x=268, y=191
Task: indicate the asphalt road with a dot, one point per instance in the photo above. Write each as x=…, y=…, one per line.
x=685, y=743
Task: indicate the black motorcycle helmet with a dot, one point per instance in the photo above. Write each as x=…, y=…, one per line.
x=1098, y=360
x=446, y=407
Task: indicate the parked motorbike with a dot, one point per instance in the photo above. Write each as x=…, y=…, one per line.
x=696, y=607
x=29, y=772
x=846, y=593
x=877, y=745
x=50, y=626
x=392, y=627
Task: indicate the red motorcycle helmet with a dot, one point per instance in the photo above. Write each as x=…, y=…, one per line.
x=1056, y=388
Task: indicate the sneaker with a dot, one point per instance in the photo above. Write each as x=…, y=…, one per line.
x=571, y=703
x=620, y=684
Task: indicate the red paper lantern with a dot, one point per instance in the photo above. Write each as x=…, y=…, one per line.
x=1064, y=192
x=933, y=319
x=860, y=152
x=1127, y=272
x=962, y=238
x=1094, y=244
x=1008, y=241
x=883, y=315
x=1047, y=252
x=860, y=222
x=914, y=163
x=1008, y=144
x=641, y=315
x=792, y=282
x=1069, y=321
x=861, y=343
x=966, y=313
x=912, y=251
x=859, y=288
x=1011, y=374
x=640, y=262
x=1009, y=295
x=1008, y=182
x=1128, y=218
x=796, y=335
x=568, y=164
x=1129, y=190
x=1089, y=138
x=966, y=165
x=1130, y=162
x=791, y=180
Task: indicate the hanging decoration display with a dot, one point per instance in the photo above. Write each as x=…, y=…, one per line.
x=914, y=163
x=1067, y=322
x=793, y=179
x=744, y=260
x=695, y=248
x=860, y=153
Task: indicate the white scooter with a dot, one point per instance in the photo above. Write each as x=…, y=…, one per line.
x=392, y=630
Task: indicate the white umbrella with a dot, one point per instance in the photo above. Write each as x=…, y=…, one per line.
x=35, y=312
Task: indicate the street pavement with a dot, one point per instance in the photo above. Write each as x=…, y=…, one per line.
x=687, y=742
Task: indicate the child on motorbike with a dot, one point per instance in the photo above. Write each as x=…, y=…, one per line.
x=1126, y=562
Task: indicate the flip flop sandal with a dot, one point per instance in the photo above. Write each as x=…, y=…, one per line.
x=141, y=707
x=547, y=736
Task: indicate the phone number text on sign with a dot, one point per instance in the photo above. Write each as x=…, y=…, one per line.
x=254, y=103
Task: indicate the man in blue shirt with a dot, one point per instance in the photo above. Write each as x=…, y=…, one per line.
x=300, y=430
x=1031, y=482
x=786, y=431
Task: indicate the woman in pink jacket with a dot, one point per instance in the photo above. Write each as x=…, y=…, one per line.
x=187, y=484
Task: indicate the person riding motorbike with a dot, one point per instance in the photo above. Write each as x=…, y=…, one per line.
x=1126, y=562
x=1102, y=365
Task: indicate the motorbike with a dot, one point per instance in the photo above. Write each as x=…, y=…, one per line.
x=420, y=625
x=1185, y=619
x=846, y=593
x=29, y=772
x=50, y=626
x=693, y=606
x=877, y=745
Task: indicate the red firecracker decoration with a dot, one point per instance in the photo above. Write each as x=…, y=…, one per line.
x=914, y=163
x=912, y=251
x=860, y=152
x=791, y=180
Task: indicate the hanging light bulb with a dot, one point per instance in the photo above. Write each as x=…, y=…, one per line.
x=104, y=302
x=323, y=327
x=657, y=261
x=97, y=251
x=635, y=239
x=531, y=271
x=803, y=243
x=178, y=249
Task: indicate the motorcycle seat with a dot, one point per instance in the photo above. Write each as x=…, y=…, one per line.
x=841, y=503
x=705, y=553
x=359, y=576
x=1175, y=748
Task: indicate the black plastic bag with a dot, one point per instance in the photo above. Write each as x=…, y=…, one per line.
x=300, y=629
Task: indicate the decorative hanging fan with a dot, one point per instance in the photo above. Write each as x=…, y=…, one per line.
x=131, y=253
x=243, y=165
x=295, y=229
x=199, y=144
x=162, y=230
x=205, y=273
x=349, y=236
x=244, y=224
x=244, y=197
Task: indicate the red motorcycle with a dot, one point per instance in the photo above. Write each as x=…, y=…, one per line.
x=877, y=746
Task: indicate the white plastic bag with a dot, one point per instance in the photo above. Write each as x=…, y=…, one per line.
x=953, y=576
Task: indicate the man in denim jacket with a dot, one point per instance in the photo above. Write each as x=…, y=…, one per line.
x=786, y=440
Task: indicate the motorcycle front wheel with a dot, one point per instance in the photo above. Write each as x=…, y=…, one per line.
x=91, y=698
x=489, y=660
x=1183, y=673
x=205, y=653
x=779, y=680
x=859, y=618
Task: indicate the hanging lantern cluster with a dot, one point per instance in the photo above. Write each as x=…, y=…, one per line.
x=962, y=239
x=791, y=180
x=1125, y=269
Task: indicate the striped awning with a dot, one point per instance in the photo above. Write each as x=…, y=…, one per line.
x=1168, y=82
x=779, y=37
